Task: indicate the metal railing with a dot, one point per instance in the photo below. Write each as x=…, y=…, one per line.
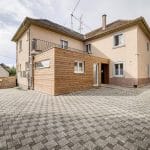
x=42, y=45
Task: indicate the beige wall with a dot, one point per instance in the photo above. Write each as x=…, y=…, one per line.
x=144, y=55
x=47, y=35
x=22, y=58
x=43, y=34
x=3, y=72
x=103, y=47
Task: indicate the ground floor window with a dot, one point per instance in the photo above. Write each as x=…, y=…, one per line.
x=79, y=67
x=42, y=64
x=148, y=70
x=118, y=69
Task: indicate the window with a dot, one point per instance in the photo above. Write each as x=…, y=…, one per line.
x=20, y=45
x=20, y=67
x=88, y=48
x=148, y=46
x=78, y=67
x=24, y=74
x=118, y=40
x=42, y=64
x=34, y=44
x=118, y=69
x=27, y=66
x=27, y=35
x=148, y=70
x=64, y=44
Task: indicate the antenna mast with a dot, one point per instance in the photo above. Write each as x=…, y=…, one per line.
x=73, y=13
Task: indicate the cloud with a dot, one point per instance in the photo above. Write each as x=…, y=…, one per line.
x=13, y=12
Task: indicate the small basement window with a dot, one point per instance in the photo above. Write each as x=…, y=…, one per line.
x=118, y=40
x=42, y=64
x=79, y=67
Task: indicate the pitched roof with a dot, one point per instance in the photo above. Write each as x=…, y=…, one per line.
x=118, y=25
x=110, y=28
x=5, y=67
x=48, y=25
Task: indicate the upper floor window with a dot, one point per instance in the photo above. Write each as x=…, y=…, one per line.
x=27, y=35
x=88, y=48
x=118, y=40
x=79, y=67
x=148, y=46
x=20, y=45
x=118, y=69
x=64, y=44
x=42, y=64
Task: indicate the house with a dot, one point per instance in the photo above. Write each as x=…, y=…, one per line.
x=4, y=70
x=54, y=59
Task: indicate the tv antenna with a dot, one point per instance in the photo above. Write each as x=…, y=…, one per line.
x=72, y=14
x=80, y=20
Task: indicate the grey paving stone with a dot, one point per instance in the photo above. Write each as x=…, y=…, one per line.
x=26, y=141
x=104, y=118
x=63, y=142
x=38, y=146
x=50, y=144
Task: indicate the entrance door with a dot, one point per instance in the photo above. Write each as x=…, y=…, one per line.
x=104, y=73
x=95, y=75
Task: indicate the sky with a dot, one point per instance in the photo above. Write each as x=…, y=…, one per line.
x=13, y=12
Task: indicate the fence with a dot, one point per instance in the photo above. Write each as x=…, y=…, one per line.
x=7, y=82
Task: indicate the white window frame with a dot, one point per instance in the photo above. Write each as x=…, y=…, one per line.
x=120, y=45
x=83, y=65
x=62, y=42
x=37, y=67
x=114, y=71
x=88, y=48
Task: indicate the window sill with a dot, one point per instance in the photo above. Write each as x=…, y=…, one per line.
x=119, y=76
x=42, y=68
x=78, y=72
x=119, y=46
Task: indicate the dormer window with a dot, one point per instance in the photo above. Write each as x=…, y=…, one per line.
x=118, y=40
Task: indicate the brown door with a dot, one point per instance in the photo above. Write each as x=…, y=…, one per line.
x=104, y=73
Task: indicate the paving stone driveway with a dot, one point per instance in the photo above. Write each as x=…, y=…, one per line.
x=96, y=119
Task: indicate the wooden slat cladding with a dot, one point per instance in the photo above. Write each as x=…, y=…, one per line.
x=66, y=80
x=60, y=77
x=44, y=77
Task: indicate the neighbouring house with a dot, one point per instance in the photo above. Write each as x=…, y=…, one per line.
x=4, y=70
x=54, y=59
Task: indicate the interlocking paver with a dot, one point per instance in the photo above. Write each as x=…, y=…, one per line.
x=105, y=118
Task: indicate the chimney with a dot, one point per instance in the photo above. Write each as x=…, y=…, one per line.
x=104, y=21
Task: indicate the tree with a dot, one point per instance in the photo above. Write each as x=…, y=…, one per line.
x=12, y=71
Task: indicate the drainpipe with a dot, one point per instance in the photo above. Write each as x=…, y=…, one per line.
x=29, y=80
x=32, y=54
